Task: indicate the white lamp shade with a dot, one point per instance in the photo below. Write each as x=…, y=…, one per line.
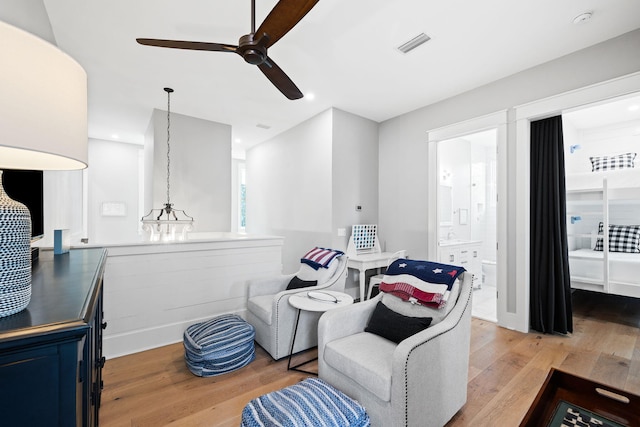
x=43, y=105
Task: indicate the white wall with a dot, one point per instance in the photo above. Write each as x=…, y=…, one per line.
x=62, y=205
x=200, y=169
x=153, y=292
x=404, y=153
x=113, y=178
x=607, y=140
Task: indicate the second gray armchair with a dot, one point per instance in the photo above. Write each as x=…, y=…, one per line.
x=273, y=318
x=420, y=381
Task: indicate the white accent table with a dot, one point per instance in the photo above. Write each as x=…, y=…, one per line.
x=364, y=262
x=318, y=301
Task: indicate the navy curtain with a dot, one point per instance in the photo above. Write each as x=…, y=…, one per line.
x=550, y=288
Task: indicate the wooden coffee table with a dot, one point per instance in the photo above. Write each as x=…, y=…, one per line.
x=564, y=395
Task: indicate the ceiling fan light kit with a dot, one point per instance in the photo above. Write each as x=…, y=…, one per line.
x=253, y=46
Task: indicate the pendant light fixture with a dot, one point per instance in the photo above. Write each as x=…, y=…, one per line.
x=167, y=224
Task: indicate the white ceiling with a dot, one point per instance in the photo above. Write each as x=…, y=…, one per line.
x=342, y=51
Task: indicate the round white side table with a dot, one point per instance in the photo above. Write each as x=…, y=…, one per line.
x=318, y=301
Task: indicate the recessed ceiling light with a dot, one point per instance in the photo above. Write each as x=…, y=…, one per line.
x=310, y=96
x=238, y=141
x=585, y=16
x=115, y=136
x=634, y=107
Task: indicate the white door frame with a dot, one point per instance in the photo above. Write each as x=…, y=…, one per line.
x=496, y=121
x=523, y=116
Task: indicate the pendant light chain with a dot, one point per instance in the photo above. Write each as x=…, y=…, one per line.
x=167, y=224
x=168, y=90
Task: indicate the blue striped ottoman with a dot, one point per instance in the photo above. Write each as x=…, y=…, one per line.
x=311, y=402
x=219, y=345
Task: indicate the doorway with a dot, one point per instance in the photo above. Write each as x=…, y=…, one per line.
x=467, y=213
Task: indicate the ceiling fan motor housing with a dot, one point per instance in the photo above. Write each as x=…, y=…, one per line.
x=253, y=51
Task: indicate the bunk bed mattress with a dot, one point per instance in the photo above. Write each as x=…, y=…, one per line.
x=619, y=178
x=587, y=263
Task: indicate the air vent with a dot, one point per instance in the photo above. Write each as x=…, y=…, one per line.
x=261, y=126
x=414, y=43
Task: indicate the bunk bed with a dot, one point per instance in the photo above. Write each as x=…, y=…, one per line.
x=599, y=201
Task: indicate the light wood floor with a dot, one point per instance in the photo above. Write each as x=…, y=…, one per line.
x=506, y=369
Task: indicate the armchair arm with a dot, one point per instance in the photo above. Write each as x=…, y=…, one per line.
x=339, y=278
x=268, y=285
x=432, y=366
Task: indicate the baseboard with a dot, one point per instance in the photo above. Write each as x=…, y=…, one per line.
x=147, y=339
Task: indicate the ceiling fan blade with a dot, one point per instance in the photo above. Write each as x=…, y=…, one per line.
x=179, y=44
x=279, y=79
x=283, y=17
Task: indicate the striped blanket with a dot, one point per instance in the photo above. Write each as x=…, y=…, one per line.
x=320, y=257
x=421, y=282
x=311, y=402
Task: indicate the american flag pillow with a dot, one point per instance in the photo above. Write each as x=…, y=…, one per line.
x=622, y=238
x=620, y=161
x=320, y=257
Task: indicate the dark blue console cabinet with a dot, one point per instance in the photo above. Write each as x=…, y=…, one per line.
x=51, y=352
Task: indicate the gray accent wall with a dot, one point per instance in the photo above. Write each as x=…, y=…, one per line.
x=200, y=169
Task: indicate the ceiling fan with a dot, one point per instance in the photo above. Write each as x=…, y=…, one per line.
x=253, y=46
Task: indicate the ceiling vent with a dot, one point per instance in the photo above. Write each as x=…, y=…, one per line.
x=414, y=43
x=261, y=126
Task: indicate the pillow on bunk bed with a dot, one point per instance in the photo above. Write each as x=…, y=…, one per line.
x=621, y=161
x=622, y=238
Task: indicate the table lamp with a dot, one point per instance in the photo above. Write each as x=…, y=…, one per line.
x=43, y=126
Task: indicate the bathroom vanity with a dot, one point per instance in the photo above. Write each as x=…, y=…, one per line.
x=465, y=253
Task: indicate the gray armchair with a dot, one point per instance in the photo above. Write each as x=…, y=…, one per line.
x=422, y=381
x=273, y=318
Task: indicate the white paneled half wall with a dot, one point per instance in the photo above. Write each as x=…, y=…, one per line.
x=153, y=292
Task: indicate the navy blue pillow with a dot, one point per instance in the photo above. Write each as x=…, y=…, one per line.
x=395, y=326
x=297, y=283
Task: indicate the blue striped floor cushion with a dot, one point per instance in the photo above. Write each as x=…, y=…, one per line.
x=311, y=402
x=219, y=345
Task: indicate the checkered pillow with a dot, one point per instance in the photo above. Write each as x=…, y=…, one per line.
x=620, y=161
x=622, y=238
